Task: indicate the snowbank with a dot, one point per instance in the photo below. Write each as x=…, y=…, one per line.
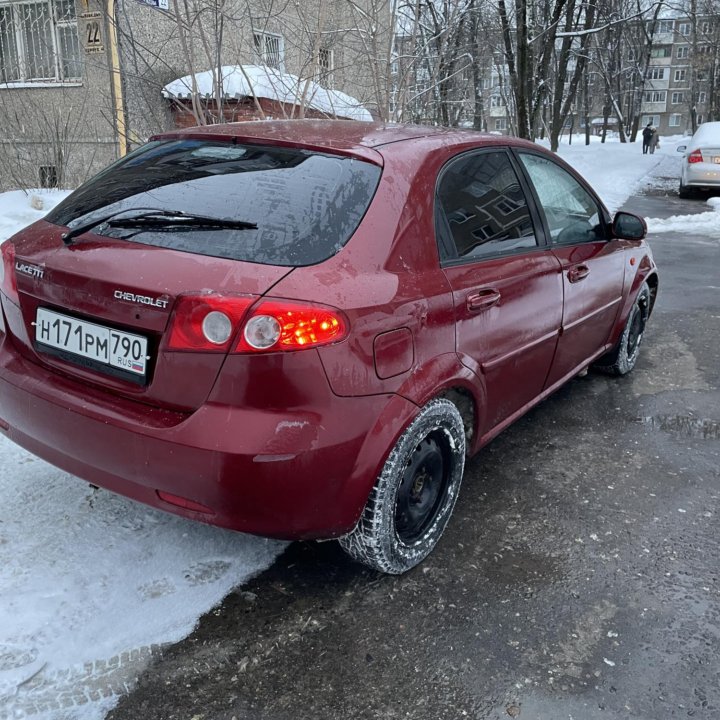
x=18, y=208
x=92, y=584
x=240, y=81
x=707, y=223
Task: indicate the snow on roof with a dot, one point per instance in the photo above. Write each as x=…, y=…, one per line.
x=261, y=81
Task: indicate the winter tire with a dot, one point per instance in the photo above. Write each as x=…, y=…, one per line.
x=685, y=192
x=415, y=493
x=622, y=358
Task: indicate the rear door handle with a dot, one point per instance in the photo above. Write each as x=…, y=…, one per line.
x=482, y=300
x=578, y=273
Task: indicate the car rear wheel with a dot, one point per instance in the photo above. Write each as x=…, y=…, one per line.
x=685, y=192
x=415, y=493
x=623, y=357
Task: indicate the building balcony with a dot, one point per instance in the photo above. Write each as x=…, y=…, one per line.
x=652, y=108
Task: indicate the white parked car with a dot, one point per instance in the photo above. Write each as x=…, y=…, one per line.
x=701, y=160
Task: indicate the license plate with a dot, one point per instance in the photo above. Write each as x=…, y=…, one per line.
x=117, y=349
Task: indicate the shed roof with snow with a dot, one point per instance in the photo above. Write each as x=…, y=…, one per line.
x=261, y=81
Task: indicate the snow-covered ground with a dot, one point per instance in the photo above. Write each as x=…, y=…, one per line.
x=91, y=584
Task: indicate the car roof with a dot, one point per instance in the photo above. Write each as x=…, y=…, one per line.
x=348, y=137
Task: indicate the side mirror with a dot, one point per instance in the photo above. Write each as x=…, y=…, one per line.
x=627, y=226
x=681, y=148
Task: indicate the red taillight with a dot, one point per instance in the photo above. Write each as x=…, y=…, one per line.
x=206, y=322
x=695, y=156
x=209, y=323
x=279, y=325
x=8, y=281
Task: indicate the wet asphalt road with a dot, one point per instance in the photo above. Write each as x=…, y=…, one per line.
x=578, y=579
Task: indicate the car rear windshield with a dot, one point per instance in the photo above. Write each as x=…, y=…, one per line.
x=305, y=205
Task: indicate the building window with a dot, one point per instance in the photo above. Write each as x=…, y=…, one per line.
x=684, y=28
x=655, y=96
x=706, y=27
x=656, y=73
x=326, y=64
x=702, y=97
x=665, y=26
x=39, y=42
x=497, y=101
x=675, y=120
x=269, y=49
x=652, y=119
x=500, y=123
x=699, y=119
x=683, y=52
x=660, y=52
x=680, y=75
x=48, y=176
x=677, y=98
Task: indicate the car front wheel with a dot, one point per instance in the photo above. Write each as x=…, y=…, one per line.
x=415, y=493
x=623, y=357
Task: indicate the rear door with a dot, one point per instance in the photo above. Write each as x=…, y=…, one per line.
x=506, y=284
x=592, y=263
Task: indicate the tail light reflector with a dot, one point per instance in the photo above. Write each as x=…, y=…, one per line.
x=206, y=322
x=184, y=503
x=695, y=156
x=8, y=281
x=279, y=325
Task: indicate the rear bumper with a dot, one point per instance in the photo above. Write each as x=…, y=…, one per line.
x=702, y=175
x=287, y=474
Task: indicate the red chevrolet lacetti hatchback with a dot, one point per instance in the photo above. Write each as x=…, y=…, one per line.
x=301, y=329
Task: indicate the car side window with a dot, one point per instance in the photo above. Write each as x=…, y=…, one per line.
x=571, y=212
x=484, y=205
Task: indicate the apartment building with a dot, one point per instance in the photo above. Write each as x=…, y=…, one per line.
x=682, y=74
x=81, y=81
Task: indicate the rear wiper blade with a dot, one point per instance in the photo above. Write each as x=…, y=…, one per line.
x=179, y=220
x=159, y=217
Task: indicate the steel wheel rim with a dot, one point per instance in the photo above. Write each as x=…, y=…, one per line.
x=635, y=332
x=422, y=489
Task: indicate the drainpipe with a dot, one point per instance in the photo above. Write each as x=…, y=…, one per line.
x=120, y=123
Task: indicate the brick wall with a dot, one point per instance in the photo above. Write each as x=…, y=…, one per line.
x=242, y=110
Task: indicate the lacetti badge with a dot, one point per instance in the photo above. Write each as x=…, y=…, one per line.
x=140, y=299
x=33, y=271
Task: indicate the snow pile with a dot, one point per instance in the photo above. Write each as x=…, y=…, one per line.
x=91, y=584
x=706, y=223
x=18, y=208
x=240, y=81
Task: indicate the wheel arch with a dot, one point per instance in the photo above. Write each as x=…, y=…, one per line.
x=443, y=377
x=646, y=273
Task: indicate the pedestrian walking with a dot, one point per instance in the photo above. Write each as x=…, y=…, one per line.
x=646, y=135
x=654, y=141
